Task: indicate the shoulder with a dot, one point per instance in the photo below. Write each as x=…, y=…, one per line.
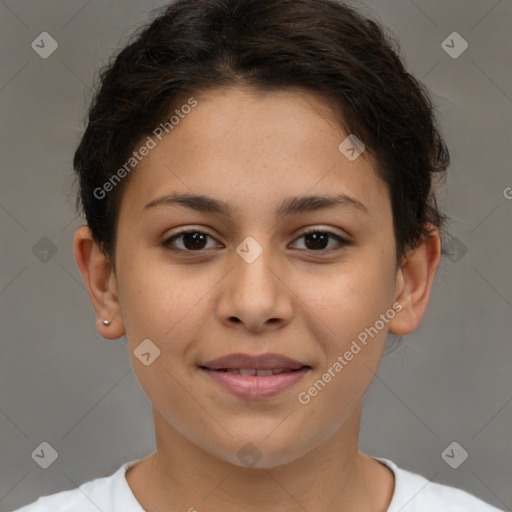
x=90, y=496
x=415, y=493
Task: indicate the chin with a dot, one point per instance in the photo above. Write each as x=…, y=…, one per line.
x=260, y=451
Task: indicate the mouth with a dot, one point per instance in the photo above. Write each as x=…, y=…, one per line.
x=256, y=371
x=255, y=377
x=246, y=362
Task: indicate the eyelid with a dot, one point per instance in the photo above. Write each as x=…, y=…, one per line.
x=305, y=231
x=324, y=229
x=190, y=229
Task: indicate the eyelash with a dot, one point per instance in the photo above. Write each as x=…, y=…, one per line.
x=168, y=242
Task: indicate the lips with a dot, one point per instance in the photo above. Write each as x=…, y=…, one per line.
x=255, y=377
x=255, y=371
x=254, y=364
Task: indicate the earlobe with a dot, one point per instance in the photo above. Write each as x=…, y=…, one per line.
x=414, y=283
x=99, y=277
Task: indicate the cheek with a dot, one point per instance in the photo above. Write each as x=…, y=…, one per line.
x=357, y=307
x=165, y=309
x=345, y=319
x=170, y=307
x=343, y=303
x=155, y=297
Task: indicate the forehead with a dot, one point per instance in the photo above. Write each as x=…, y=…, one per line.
x=249, y=147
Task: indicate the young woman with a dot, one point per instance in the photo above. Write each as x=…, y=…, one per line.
x=258, y=182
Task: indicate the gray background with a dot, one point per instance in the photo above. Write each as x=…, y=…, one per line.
x=62, y=383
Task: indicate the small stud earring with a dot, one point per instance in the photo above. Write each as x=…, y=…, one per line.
x=106, y=322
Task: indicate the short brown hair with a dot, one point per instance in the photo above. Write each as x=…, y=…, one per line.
x=322, y=46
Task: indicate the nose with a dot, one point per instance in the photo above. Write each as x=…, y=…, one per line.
x=256, y=294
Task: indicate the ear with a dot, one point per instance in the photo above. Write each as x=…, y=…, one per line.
x=99, y=277
x=414, y=282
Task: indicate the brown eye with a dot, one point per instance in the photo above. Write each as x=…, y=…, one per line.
x=317, y=240
x=193, y=240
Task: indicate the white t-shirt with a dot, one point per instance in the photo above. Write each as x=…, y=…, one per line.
x=412, y=493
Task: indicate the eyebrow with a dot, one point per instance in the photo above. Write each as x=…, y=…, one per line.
x=289, y=206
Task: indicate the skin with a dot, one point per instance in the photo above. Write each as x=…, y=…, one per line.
x=252, y=151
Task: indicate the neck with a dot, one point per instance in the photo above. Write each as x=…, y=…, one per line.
x=332, y=476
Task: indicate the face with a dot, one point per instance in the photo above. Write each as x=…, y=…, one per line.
x=250, y=280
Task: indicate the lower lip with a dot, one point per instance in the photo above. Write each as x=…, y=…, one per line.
x=253, y=386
